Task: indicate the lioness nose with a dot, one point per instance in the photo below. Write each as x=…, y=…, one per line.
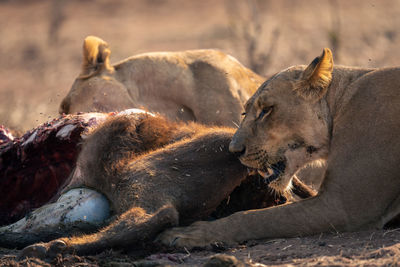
x=236, y=149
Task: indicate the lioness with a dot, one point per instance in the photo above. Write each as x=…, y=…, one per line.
x=345, y=116
x=206, y=86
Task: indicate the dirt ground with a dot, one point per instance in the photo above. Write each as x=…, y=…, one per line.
x=40, y=55
x=372, y=248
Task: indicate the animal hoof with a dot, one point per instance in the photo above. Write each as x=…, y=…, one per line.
x=34, y=251
x=43, y=250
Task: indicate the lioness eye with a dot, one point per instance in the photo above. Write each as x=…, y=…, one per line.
x=264, y=112
x=244, y=114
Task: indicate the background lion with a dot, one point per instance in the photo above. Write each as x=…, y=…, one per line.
x=206, y=86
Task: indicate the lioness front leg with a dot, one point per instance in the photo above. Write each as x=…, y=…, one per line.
x=130, y=229
x=297, y=219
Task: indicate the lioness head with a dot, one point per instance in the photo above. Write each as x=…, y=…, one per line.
x=96, y=89
x=286, y=122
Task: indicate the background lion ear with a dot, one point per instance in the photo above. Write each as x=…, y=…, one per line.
x=316, y=77
x=96, y=54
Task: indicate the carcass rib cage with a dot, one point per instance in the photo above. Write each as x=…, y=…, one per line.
x=35, y=165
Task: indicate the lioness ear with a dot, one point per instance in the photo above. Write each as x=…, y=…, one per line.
x=317, y=77
x=96, y=54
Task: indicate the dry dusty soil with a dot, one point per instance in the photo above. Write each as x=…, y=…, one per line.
x=369, y=248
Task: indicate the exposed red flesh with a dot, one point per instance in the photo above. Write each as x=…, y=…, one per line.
x=34, y=166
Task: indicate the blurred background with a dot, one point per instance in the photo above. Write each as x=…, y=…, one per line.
x=41, y=40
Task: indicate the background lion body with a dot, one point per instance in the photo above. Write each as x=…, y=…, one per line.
x=206, y=86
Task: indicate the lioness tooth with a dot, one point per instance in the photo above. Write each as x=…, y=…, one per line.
x=263, y=174
x=251, y=171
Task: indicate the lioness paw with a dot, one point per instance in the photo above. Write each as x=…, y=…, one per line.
x=175, y=238
x=195, y=236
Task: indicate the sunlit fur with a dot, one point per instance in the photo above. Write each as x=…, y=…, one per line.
x=296, y=130
x=96, y=57
x=316, y=78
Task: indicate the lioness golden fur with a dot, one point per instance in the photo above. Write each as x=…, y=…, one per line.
x=206, y=86
x=345, y=116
